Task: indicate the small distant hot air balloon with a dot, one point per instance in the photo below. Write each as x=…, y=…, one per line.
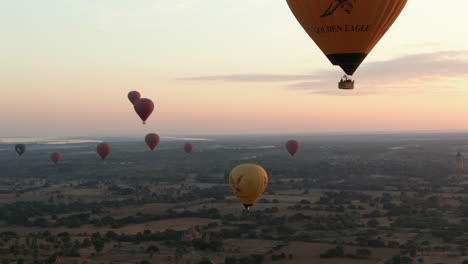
x=20, y=149
x=248, y=182
x=346, y=30
x=144, y=107
x=56, y=157
x=103, y=149
x=188, y=147
x=292, y=146
x=152, y=140
x=133, y=96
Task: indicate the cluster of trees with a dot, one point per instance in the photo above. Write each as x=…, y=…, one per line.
x=281, y=256
x=42, y=246
x=343, y=197
x=212, y=245
x=252, y=259
x=331, y=222
x=400, y=260
x=18, y=213
x=339, y=252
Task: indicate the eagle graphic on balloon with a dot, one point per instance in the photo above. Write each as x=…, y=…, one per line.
x=346, y=5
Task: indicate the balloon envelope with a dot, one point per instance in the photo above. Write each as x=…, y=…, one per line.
x=152, y=140
x=20, y=149
x=144, y=107
x=103, y=149
x=56, y=157
x=248, y=182
x=133, y=96
x=188, y=147
x=292, y=146
x=346, y=30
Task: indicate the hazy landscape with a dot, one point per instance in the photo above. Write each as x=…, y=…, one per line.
x=370, y=198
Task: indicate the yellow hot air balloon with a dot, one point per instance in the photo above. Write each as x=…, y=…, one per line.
x=248, y=182
x=346, y=30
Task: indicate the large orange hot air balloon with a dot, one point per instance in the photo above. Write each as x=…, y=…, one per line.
x=144, y=107
x=346, y=30
x=292, y=146
x=103, y=149
x=56, y=157
x=133, y=96
x=152, y=140
x=188, y=147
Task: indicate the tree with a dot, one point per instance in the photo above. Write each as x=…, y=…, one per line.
x=337, y=252
x=86, y=243
x=98, y=245
x=151, y=250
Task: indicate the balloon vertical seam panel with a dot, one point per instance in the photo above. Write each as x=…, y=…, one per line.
x=381, y=20
x=261, y=186
x=241, y=191
x=395, y=12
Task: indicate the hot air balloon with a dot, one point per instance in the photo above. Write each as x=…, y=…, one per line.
x=248, y=182
x=188, y=147
x=133, y=96
x=346, y=30
x=103, y=149
x=144, y=107
x=292, y=146
x=56, y=157
x=152, y=140
x=20, y=149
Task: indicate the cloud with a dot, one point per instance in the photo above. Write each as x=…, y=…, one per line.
x=418, y=67
x=406, y=74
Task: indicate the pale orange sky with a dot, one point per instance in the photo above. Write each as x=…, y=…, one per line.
x=67, y=68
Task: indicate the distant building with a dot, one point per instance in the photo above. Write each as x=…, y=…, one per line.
x=459, y=162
